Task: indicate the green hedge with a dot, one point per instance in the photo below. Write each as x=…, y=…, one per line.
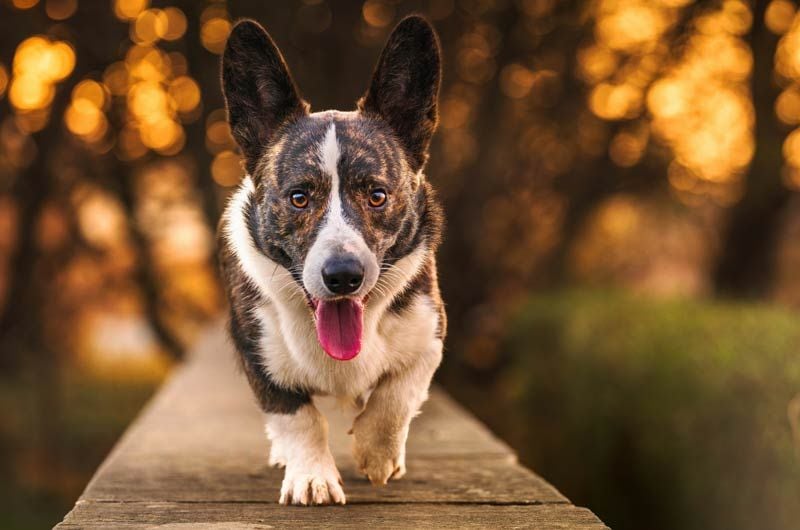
x=656, y=414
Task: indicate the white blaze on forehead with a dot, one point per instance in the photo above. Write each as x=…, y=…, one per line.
x=329, y=159
x=329, y=154
x=336, y=236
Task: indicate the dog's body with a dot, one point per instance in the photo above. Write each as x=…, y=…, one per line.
x=327, y=251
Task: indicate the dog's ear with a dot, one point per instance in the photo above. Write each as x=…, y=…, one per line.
x=405, y=86
x=260, y=94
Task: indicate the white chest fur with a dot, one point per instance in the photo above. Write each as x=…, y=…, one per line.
x=293, y=356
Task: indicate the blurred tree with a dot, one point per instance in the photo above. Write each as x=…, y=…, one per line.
x=747, y=258
x=550, y=110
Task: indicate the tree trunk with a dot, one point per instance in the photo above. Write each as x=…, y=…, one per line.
x=146, y=275
x=747, y=256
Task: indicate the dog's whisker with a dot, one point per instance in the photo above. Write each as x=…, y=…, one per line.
x=289, y=286
x=379, y=289
x=390, y=269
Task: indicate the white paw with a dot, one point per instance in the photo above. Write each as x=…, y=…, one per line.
x=312, y=483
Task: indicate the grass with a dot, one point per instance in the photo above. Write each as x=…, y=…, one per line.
x=56, y=429
x=654, y=413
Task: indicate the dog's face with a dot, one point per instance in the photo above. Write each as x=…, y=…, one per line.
x=337, y=193
x=344, y=192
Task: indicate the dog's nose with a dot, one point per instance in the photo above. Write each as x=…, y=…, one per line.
x=343, y=275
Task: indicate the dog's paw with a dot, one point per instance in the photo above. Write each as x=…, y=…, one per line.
x=312, y=483
x=379, y=461
x=379, y=469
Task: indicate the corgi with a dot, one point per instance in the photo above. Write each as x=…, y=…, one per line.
x=327, y=252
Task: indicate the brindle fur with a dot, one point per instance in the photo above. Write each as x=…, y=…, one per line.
x=383, y=145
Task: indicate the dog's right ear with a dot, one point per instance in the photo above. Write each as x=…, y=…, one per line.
x=260, y=94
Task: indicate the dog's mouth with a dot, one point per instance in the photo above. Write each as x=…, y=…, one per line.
x=340, y=325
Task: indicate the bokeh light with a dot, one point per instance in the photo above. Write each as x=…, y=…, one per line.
x=218, y=132
x=215, y=27
x=176, y=24
x=185, y=93
x=31, y=121
x=3, y=80
x=50, y=61
x=698, y=99
x=39, y=64
x=616, y=101
x=129, y=9
x=516, y=80
x=129, y=143
x=629, y=26
x=61, y=9
x=85, y=115
x=784, y=19
x=150, y=25
x=83, y=118
x=226, y=168
x=28, y=93
x=378, y=13
x=101, y=218
x=92, y=91
x=779, y=15
x=159, y=94
x=115, y=78
x=24, y=4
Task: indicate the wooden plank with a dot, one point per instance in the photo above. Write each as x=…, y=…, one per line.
x=428, y=480
x=200, y=444
x=257, y=516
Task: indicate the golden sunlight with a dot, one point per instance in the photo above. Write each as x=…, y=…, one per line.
x=226, y=168
x=38, y=64
x=779, y=16
x=24, y=4
x=176, y=24
x=214, y=29
x=61, y=9
x=3, y=79
x=129, y=9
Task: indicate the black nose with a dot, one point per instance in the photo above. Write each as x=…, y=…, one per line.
x=343, y=275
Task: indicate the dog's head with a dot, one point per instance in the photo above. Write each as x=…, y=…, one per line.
x=339, y=195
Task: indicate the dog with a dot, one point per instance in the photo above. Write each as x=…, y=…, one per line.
x=327, y=253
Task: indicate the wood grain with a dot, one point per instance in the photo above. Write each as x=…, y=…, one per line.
x=184, y=516
x=197, y=454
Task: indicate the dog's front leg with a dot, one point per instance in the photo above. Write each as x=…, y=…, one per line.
x=381, y=429
x=300, y=442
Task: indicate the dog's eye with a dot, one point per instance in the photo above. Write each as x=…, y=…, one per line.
x=377, y=198
x=299, y=199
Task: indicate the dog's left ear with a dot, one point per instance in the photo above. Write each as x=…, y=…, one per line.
x=405, y=86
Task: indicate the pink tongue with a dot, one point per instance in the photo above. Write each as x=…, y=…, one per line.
x=339, y=326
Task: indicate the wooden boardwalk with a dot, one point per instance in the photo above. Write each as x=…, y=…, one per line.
x=197, y=458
